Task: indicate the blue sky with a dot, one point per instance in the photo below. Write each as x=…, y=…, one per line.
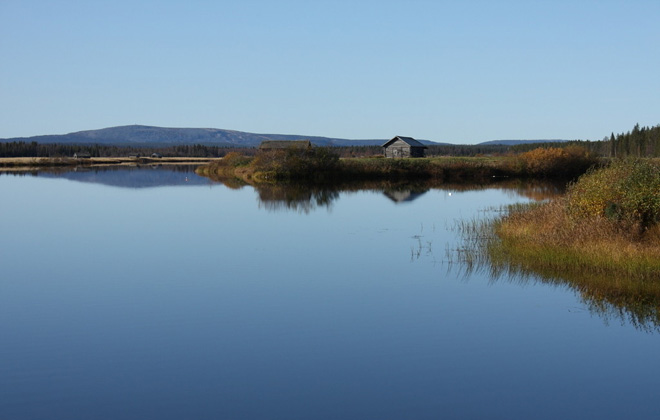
x=454, y=71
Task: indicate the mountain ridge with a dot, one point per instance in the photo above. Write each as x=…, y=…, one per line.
x=145, y=135
x=139, y=135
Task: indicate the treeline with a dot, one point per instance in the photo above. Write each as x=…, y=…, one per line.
x=467, y=150
x=639, y=142
x=435, y=150
x=34, y=149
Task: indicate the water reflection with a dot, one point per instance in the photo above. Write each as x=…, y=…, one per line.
x=300, y=198
x=404, y=195
x=305, y=198
x=122, y=176
x=626, y=300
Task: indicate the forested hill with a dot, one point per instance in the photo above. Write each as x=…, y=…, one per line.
x=141, y=135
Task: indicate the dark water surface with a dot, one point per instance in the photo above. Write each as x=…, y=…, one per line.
x=150, y=293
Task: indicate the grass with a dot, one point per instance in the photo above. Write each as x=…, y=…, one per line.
x=611, y=259
x=547, y=236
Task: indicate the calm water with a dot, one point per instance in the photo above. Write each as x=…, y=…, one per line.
x=150, y=293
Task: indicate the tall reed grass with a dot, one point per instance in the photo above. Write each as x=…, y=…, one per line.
x=612, y=260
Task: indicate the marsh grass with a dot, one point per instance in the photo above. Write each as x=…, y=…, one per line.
x=612, y=264
x=548, y=236
x=324, y=165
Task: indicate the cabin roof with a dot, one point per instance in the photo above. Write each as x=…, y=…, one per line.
x=408, y=140
x=285, y=144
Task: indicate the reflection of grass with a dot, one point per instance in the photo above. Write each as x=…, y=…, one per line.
x=615, y=272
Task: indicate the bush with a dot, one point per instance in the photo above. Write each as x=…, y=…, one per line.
x=626, y=191
x=567, y=162
x=315, y=163
x=234, y=160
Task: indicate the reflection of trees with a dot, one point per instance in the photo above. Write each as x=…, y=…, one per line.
x=307, y=197
x=538, y=190
x=295, y=197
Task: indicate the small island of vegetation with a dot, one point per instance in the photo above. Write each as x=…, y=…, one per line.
x=320, y=164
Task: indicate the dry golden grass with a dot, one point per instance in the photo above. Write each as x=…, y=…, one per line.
x=547, y=236
x=615, y=270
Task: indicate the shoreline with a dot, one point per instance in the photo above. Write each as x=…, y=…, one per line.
x=35, y=163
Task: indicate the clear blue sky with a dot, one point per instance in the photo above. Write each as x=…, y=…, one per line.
x=455, y=71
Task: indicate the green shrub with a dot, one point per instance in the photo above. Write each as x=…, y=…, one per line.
x=314, y=163
x=234, y=160
x=626, y=191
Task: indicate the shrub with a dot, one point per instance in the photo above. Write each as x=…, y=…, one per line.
x=314, y=163
x=566, y=162
x=234, y=159
x=626, y=191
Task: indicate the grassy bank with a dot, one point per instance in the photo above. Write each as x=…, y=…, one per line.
x=324, y=165
x=607, y=223
x=602, y=238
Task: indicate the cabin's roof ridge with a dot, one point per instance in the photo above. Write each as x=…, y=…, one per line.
x=408, y=140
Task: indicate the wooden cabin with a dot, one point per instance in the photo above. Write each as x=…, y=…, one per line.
x=403, y=147
x=81, y=155
x=285, y=144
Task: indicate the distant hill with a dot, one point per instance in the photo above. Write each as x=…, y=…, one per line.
x=514, y=142
x=149, y=136
x=142, y=135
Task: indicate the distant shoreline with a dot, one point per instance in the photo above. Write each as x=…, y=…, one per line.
x=31, y=163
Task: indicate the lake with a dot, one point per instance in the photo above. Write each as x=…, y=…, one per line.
x=154, y=293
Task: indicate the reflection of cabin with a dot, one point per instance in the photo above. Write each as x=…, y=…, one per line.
x=402, y=196
x=285, y=144
x=156, y=155
x=403, y=147
x=81, y=155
